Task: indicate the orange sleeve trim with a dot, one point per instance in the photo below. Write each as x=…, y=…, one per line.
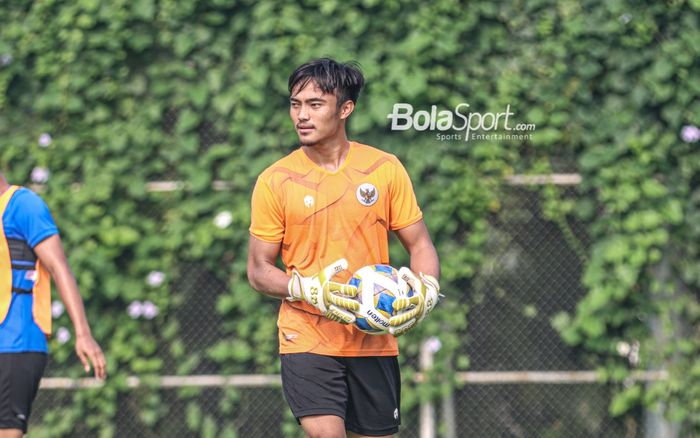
x=407, y=223
x=265, y=239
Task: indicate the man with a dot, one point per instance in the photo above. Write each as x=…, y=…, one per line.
x=328, y=207
x=30, y=251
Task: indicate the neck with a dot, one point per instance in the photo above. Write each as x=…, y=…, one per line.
x=3, y=185
x=330, y=154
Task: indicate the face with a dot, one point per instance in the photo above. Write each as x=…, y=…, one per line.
x=315, y=115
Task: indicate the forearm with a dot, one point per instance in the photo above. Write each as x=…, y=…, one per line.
x=68, y=290
x=269, y=280
x=425, y=259
x=51, y=255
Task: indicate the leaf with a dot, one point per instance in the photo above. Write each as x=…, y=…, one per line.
x=193, y=415
x=187, y=121
x=209, y=429
x=144, y=9
x=625, y=400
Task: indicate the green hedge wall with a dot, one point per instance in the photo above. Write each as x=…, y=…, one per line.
x=195, y=91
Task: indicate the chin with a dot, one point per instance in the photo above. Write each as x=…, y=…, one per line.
x=307, y=141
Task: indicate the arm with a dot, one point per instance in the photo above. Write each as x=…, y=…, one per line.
x=267, y=220
x=263, y=275
x=51, y=255
x=421, y=278
x=416, y=239
x=333, y=300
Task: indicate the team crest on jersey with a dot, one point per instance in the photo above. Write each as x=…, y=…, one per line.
x=367, y=194
x=308, y=201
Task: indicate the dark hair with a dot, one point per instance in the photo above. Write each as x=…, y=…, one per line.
x=344, y=80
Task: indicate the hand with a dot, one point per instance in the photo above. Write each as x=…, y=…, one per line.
x=334, y=300
x=89, y=352
x=412, y=309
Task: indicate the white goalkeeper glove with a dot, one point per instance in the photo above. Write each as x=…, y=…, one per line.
x=412, y=309
x=334, y=300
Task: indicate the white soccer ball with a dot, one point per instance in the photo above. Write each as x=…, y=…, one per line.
x=377, y=288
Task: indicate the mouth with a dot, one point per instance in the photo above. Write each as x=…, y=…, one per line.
x=305, y=129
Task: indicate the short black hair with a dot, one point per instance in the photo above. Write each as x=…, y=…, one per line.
x=344, y=80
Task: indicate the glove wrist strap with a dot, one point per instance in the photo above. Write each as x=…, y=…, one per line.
x=432, y=281
x=290, y=288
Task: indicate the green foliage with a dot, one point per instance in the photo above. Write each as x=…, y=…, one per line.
x=637, y=199
x=195, y=91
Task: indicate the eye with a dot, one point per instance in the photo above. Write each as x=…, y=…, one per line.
x=315, y=105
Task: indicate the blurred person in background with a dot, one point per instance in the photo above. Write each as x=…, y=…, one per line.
x=31, y=253
x=327, y=208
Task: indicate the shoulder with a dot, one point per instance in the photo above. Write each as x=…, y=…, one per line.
x=29, y=218
x=366, y=150
x=26, y=201
x=290, y=166
x=368, y=158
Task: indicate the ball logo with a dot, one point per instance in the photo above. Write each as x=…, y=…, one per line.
x=376, y=318
x=396, y=414
x=308, y=201
x=367, y=194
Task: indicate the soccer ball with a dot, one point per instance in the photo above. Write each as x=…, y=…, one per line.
x=377, y=287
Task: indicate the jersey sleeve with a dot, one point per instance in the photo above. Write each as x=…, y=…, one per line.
x=266, y=214
x=404, y=207
x=34, y=220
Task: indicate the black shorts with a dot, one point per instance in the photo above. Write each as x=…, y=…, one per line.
x=363, y=391
x=20, y=374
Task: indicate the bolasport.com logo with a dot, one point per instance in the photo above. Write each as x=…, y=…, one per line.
x=460, y=124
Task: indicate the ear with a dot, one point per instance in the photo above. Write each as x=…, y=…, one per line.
x=346, y=109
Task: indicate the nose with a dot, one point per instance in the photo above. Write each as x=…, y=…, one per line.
x=302, y=114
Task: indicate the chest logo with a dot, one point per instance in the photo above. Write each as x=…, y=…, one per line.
x=308, y=201
x=367, y=194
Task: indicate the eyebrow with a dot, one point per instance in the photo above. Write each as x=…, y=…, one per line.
x=311, y=100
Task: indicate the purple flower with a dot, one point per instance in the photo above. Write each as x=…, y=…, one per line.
x=690, y=134
x=57, y=309
x=155, y=278
x=62, y=335
x=135, y=309
x=433, y=344
x=45, y=140
x=626, y=17
x=5, y=59
x=149, y=310
x=40, y=175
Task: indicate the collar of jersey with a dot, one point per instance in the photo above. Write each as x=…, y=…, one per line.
x=321, y=169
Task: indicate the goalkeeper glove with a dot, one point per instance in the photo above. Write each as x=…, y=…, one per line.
x=334, y=300
x=412, y=309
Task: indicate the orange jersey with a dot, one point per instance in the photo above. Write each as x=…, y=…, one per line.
x=319, y=217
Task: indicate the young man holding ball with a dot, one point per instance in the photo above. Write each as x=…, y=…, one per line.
x=327, y=208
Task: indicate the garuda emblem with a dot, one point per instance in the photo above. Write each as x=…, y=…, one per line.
x=367, y=194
